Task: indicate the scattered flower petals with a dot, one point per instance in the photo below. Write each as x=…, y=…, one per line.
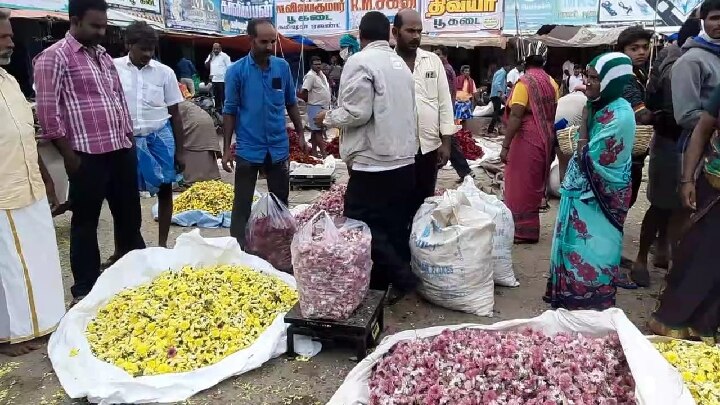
x=212, y=196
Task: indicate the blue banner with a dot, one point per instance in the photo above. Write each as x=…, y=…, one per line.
x=193, y=15
x=235, y=14
x=533, y=14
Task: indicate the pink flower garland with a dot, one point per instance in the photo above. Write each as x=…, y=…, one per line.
x=472, y=366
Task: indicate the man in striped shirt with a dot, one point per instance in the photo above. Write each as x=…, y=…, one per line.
x=82, y=110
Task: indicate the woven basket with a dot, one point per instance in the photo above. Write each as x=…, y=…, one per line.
x=643, y=136
x=566, y=140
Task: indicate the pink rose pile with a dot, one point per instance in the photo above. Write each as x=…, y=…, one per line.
x=471, y=366
x=332, y=201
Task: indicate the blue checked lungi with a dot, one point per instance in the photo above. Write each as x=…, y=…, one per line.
x=312, y=112
x=156, y=159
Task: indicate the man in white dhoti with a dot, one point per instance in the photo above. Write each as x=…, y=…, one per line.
x=31, y=289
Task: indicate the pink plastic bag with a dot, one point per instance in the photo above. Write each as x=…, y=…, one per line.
x=269, y=232
x=332, y=266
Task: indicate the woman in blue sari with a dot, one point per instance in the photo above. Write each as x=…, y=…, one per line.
x=595, y=193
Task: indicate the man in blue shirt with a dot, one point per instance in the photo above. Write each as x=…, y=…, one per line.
x=185, y=71
x=258, y=89
x=498, y=91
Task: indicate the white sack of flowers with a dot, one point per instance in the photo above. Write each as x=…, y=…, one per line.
x=451, y=246
x=82, y=374
x=656, y=381
x=501, y=215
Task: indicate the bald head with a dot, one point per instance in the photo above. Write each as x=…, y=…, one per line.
x=407, y=28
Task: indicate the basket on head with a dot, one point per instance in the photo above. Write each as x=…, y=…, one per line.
x=643, y=136
x=566, y=140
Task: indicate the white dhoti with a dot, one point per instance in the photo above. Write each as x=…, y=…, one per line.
x=31, y=290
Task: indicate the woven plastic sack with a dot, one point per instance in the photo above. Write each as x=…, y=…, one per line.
x=502, y=265
x=269, y=232
x=332, y=264
x=451, y=245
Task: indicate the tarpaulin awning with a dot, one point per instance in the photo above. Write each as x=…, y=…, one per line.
x=38, y=14
x=466, y=40
x=577, y=37
x=238, y=43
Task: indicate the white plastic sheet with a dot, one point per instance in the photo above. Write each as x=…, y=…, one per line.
x=656, y=381
x=84, y=375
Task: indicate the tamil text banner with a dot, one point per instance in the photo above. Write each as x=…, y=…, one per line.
x=462, y=15
x=235, y=14
x=358, y=8
x=309, y=17
x=193, y=15
x=148, y=6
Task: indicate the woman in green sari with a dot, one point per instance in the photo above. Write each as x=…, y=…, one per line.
x=595, y=194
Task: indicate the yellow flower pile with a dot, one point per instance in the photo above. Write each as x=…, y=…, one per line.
x=699, y=365
x=212, y=196
x=185, y=320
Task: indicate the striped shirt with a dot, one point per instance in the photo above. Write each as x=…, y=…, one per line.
x=79, y=97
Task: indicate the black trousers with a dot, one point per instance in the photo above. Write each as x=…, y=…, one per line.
x=458, y=161
x=384, y=201
x=426, y=172
x=108, y=176
x=497, y=105
x=219, y=94
x=278, y=182
x=636, y=171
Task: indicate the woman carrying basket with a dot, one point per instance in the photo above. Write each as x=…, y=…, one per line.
x=528, y=146
x=689, y=304
x=595, y=194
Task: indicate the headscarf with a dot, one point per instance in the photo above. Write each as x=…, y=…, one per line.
x=350, y=42
x=615, y=70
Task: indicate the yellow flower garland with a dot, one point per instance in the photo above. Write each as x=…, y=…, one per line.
x=699, y=365
x=185, y=320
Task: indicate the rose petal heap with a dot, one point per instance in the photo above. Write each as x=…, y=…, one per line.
x=269, y=233
x=333, y=147
x=699, y=365
x=331, y=201
x=467, y=145
x=296, y=153
x=212, y=196
x=471, y=366
x=188, y=319
x=332, y=268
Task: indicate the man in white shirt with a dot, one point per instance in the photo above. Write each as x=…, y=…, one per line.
x=514, y=75
x=316, y=93
x=218, y=62
x=153, y=95
x=378, y=119
x=436, y=124
x=568, y=113
x=576, y=79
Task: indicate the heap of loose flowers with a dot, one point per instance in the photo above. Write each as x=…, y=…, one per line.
x=471, y=366
x=187, y=319
x=212, y=196
x=699, y=365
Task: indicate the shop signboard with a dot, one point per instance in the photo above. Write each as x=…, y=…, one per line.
x=235, y=14
x=661, y=12
x=148, y=6
x=298, y=17
x=193, y=15
x=533, y=14
x=358, y=8
x=461, y=15
x=46, y=5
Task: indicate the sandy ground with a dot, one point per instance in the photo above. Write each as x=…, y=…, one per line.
x=30, y=379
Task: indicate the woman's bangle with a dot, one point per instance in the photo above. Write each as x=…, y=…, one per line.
x=687, y=181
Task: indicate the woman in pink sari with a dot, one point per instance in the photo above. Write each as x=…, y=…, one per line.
x=528, y=147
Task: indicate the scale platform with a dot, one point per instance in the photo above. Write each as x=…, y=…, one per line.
x=361, y=330
x=315, y=177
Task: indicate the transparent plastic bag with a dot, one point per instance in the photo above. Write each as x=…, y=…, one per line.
x=269, y=232
x=332, y=266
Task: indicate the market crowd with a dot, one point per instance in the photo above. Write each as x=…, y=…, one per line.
x=120, y=128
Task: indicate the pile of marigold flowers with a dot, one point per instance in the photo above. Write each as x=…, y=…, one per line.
x=471, y=366
x=699, y=365
x=184, y=320
x=212, y=196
